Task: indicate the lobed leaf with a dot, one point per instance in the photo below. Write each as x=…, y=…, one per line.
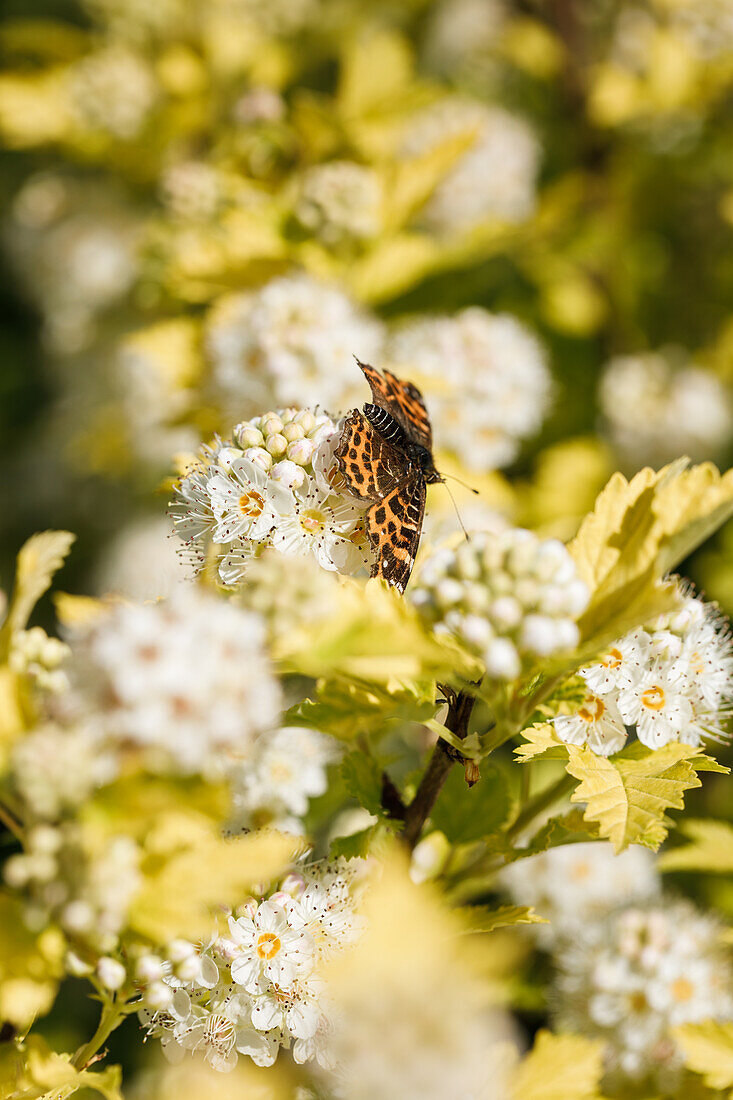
x=711, y=848
x=466, y=814
x=708, y=1050
x=487, y=920
x=38, y=559
x=629, y=795
x=560, y=1067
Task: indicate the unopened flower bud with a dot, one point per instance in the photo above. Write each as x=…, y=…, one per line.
x=259, y=457
x=306, y=419
x=17, y=871
x=429, y=857
x=448, y=592
x=293, y=431
x=502, y=660
x=158, y=996
x=149, y=968
x=247, y=436
x=301, y=451
x=539, y=635
x=111, y=973
x=76, y=966
x=288, y=474
x=276, y=444
x=273, y=425
x=178, y=950
x=188, y=969
x=77, y=916
x=505, y=613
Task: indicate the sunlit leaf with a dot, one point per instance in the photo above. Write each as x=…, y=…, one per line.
x=560, y=1067
x=711, y=848
x=708, y=1050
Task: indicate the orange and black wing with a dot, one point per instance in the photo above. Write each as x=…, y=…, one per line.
x=370, y=465
x=394, y=525
x=403, y=400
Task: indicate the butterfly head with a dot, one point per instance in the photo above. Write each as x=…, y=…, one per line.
x=424, y=459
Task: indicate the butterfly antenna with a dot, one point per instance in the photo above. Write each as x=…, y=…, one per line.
x=458, y=514
x=463, y=483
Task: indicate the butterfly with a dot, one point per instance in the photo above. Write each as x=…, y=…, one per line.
x=385, y=455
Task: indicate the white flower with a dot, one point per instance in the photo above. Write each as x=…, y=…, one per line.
x=631, y=978
x=495, y=179
x=326, y=525
x=658, y=705
x=269, y=950
x=246, y=503
x=188, y=678
x=597, y=724
x=114, y=90
x=658, y=406
x=339, y=201
x=284, y=769
x=620, y=666
x=575, y=885
x=481, y=408
x=292, y=341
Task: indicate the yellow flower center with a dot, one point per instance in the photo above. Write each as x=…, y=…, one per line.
x=653, y=698
x=251, y=504
x=593, y=709
x=268, y=945
x=682, y=990
x=613, y=659
x=313, y=521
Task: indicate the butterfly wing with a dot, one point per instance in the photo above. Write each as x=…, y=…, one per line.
x=394, y=525
x=403, y=400
x=371, y=466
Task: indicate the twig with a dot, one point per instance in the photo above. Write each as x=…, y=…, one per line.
x=392, y=803
x=460, y=706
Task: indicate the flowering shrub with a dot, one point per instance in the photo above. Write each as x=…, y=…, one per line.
x=270, y=827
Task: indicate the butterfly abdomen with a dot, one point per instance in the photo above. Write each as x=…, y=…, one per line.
x=385, y=424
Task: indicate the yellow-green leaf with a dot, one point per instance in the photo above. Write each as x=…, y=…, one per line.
x=30, y=1070
x=487, y=920
x=41, y=556
x=629, y=795
x=541, y=740
x=560, y=1067
x=189, y=869
x=637, y=532
x=30, y=966
x=711, y=848
x=375, y=68
x=708, y=1050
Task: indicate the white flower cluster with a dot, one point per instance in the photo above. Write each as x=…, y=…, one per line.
x=340, y=201
x=273, y=783
x=114, y=90
x=486, y=379
x=275, y=486
x=292, y=595
x=187, y=680
x=511, y=597
x=34, y=654
x=191, y=190
x=290, y=342
x=87, y=893
x=267, y=993
x=656, y=409
x=673, y=682
x=634, y=976
x=73, y=244
x=494, y=180
x=462, y=37
x=576, y=884
x=54, y=768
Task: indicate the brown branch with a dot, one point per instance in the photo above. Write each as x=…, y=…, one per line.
x=392, y=803
x=460, y=706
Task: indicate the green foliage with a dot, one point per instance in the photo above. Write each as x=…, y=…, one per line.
x=710, y=848
x=362, y=778
x=30, y=1070
x=627, y=795
x=464, y=814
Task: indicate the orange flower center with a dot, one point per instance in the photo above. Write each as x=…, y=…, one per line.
x=593, y=709
x=653, y=698
x=613, y=659
x=268, y=945
x=251, y=504
x=682, y=990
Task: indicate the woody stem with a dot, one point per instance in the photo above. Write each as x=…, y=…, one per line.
x=442, y=760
